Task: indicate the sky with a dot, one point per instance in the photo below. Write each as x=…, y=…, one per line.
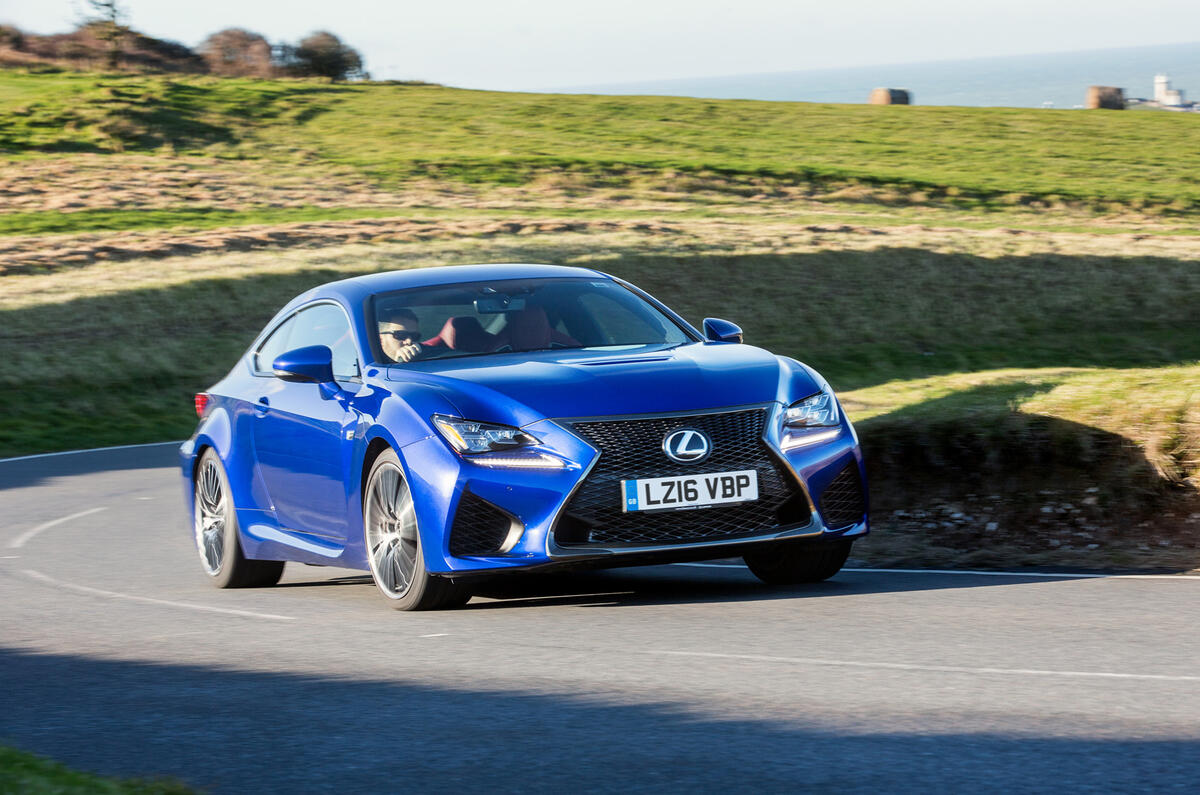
x=523, y=45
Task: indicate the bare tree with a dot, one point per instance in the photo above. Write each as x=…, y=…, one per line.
x=235, y=52
x=108, y=20
x=323, y=54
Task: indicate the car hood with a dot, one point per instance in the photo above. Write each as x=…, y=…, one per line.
x=519, y=388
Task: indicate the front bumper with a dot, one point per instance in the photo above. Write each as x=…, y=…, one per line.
x=531, y=502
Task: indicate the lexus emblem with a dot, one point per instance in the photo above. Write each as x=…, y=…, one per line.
x=687, y=446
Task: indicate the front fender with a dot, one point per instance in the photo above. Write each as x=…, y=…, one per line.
x=797, y=381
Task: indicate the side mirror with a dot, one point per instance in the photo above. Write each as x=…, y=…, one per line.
x=717, y=330
x=313, y=364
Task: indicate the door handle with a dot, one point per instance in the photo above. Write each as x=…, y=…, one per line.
x=262, y=406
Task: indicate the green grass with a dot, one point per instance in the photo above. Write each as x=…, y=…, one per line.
x=991, y=156
x=22, y=772
x=52, y=222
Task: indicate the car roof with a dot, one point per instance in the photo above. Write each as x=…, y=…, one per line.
x=358, y=288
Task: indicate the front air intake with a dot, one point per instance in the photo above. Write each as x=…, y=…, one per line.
x=479, y=528
x=843, y=502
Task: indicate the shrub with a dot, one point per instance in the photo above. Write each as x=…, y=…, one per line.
x=322, y=54
x=235, y=52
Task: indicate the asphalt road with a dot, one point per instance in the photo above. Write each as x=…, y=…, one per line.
x=117, y=656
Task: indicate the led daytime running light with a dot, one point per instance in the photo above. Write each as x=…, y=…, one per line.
x=793, y=440
x=531, y=461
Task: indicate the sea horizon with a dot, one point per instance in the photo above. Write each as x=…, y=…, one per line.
x=1058, y=80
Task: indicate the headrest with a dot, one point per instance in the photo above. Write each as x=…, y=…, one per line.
x=528, y=329
x=463, y=333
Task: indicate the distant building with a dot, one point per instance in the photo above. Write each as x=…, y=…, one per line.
x=1165, y=95
x=890, y=96
x=1107, y=97
x=1166, y=98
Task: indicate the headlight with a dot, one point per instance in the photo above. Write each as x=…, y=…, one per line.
x=495, y=445
x=818, y=411
x=470, y=438
x=812, y=420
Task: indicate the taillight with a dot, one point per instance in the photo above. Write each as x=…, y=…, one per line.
x=202, y=399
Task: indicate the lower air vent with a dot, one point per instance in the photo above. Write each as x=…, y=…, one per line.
x=479, y=527
x=843, y=502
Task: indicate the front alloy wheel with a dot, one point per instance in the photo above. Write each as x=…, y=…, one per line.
x=394, y=545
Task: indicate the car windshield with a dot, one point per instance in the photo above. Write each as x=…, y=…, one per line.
x=511, y=315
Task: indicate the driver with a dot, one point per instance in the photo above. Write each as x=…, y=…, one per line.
x=399, y=333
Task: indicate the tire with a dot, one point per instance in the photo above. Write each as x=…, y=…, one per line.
x=798, y=561
x=216, y=532
x=393, y=543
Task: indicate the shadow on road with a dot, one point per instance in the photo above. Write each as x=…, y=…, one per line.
x=236, y=731
x=669, y=585
x=32, y=471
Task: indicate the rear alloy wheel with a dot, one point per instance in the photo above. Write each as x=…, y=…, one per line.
x=798, y=561
x=217, y=532
x=394, y=545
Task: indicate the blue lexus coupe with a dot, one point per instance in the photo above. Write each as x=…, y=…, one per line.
x=437, y=426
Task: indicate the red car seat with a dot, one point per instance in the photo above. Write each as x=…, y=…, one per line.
x=463, y=333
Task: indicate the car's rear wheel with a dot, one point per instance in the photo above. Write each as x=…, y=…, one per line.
x=394, y=544
x=798, y=561
x=216, y=531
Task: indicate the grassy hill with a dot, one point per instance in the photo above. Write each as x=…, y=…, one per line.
x=393, y=133
x=1005, y=298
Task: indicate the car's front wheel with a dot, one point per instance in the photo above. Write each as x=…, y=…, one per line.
x=216, y=531
x=394, y=545
x=798, y=561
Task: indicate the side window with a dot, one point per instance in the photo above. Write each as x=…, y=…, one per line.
x=274, y=345
x=326, y=324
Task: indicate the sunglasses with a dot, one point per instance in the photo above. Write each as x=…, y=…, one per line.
x=402, y=334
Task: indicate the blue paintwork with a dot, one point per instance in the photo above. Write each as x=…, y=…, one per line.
x=312, y=364
x=295, y=452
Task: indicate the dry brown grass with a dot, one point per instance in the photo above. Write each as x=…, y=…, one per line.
x=52, y=253
x=766, y=235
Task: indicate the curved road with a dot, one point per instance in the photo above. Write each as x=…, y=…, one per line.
x=116, y=656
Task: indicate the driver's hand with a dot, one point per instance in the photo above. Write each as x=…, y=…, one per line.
x=408, y=352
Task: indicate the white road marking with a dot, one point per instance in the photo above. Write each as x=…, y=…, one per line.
x=37, y=575
x=962, y=572
x=1041, y=574
x=92, y=450
x=436, y=635
x=20, y=540
x=956, y=669
x=10, y=557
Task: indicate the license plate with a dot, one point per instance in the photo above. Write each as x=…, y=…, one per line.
x=689, y=491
